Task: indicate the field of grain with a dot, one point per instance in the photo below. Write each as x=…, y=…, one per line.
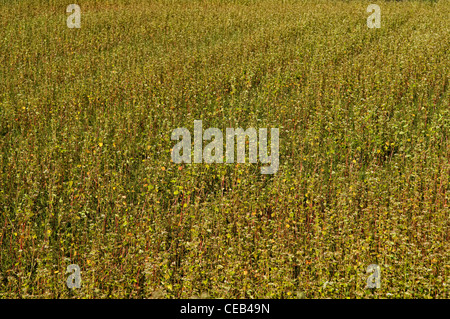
x=86, y=177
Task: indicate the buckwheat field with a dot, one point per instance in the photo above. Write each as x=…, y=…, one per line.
x=87, y=177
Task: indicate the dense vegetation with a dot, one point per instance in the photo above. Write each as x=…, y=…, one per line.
x=86, y=175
